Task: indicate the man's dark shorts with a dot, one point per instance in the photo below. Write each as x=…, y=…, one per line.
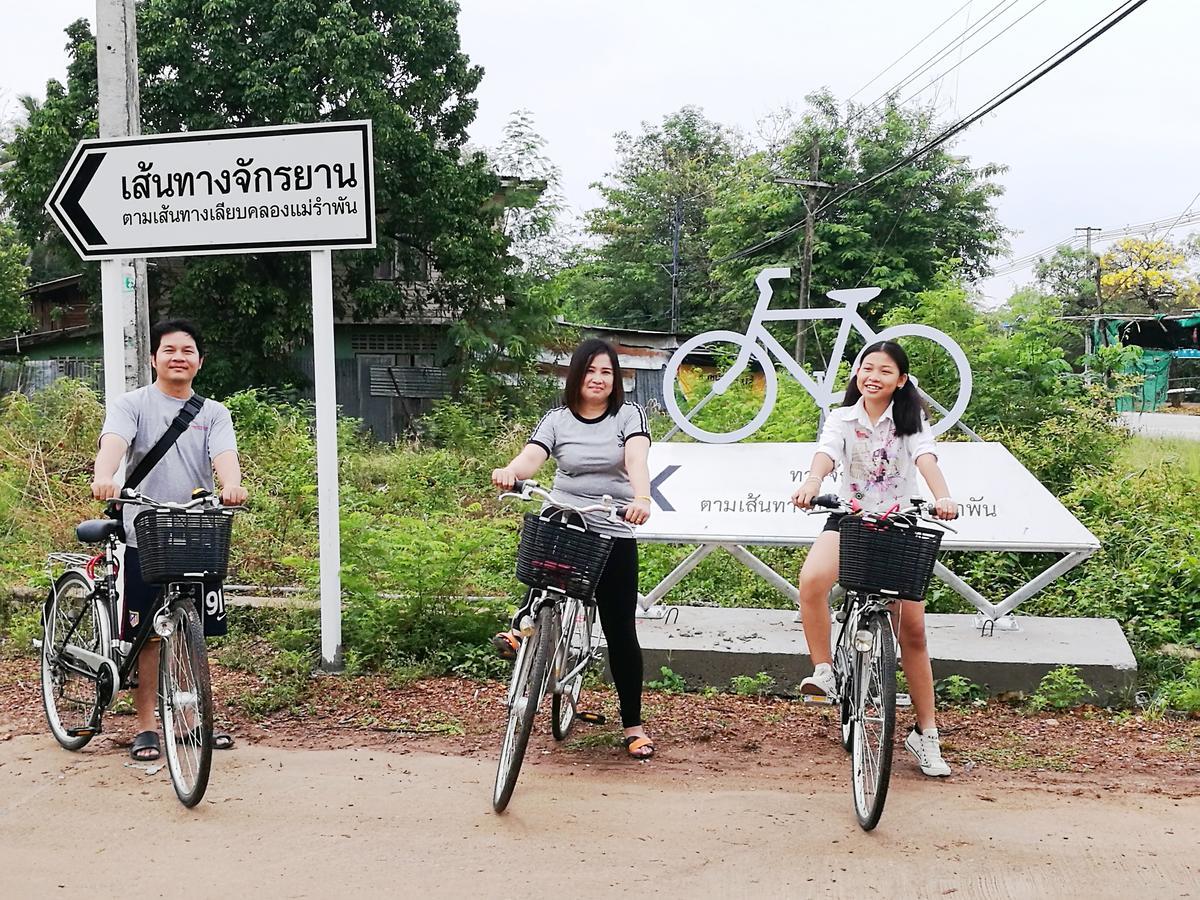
x=140, y=599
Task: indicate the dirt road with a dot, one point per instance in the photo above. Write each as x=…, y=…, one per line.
x=333, y=823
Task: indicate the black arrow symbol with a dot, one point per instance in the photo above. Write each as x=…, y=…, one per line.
x=84, y=226
x=657, y=494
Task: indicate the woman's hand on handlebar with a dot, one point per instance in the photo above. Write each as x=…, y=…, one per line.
x=504, y=478
x=105, y=489
x=233, y=496
x=637, y=512
x=804, y=495
x=946, y=509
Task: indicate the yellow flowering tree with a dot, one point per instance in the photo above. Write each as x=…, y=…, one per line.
x=1140, y=276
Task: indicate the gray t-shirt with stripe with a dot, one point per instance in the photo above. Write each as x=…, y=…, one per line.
x=591, y=457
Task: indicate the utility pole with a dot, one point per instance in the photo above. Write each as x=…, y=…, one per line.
x=676, y=227
x=1088, y=231
x=123, y=288
x=810, y=197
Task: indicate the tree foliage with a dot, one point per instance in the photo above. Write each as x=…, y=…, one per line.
x=14, y=278
x=242, y=63
x=1147, y=276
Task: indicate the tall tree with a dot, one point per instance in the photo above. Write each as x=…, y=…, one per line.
x=14, y=278
x=1069, y=275
x=667, y=173
x=899, y=234
x=1147, y=276
x=241, y=63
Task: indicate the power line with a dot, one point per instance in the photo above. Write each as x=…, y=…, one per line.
x=1032, y=76
x=901, y=57
x=998, y=34
x=968, y=33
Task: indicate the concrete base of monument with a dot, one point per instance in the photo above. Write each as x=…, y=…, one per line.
x=708, y=646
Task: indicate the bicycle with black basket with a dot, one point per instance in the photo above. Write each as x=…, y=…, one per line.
x=882, y=558
x=560, y=559
x=185, y=548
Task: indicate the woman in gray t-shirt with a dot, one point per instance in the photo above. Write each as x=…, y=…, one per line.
x=600, y=442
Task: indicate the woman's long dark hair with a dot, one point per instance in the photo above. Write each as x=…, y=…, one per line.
x=580, y=360
x=908, y=408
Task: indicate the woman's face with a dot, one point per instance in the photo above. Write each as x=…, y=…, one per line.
x=879, y=377
x=598, y=380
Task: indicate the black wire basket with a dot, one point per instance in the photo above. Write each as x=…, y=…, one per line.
x=893, y=557
x=561, y=555
x=178, y=545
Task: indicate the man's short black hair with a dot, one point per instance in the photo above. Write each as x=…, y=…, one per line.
x=170, y=326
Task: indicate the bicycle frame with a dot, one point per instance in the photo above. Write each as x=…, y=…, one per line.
x=555, y=599
x=821, y=391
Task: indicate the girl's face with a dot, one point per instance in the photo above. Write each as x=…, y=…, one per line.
x=879, y=377
x=598, y=380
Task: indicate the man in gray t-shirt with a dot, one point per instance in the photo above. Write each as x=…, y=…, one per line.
x=134, y=424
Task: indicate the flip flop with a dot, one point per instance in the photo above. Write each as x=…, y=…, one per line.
x=635, y=744
x=145, y=741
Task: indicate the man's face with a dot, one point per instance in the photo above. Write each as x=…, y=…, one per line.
x=177, y=360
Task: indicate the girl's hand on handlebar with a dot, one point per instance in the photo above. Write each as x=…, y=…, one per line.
x=946, y=509
x=504, y=478
x=637, y=512
x=804, y=495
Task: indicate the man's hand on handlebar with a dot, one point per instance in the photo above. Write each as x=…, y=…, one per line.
x=105, y=489
x=504, y=478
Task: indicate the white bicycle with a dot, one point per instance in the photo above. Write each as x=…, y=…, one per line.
x=757, y=343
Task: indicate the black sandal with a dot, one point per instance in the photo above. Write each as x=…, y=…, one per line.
x=639, y=746
x=145, y=741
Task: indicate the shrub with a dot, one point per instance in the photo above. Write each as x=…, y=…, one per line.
x=1060, y=688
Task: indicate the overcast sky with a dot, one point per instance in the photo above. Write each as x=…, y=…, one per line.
x=1110, y=138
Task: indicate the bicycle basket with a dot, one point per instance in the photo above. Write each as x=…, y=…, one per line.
x=891, y=557
x=178, y=545
x=554, y=554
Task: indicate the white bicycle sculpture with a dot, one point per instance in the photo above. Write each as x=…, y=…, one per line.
x=758, y=343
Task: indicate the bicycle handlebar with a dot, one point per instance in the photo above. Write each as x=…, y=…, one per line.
x=206, y=501
x=530, y=489
x=919, y=509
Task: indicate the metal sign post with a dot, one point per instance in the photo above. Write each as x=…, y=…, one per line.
x=249, y=190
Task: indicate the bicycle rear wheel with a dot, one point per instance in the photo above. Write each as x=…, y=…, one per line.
x=575, y=644
x=73, y=700
x=527, y=687
x=185, y=703
x=874, y=720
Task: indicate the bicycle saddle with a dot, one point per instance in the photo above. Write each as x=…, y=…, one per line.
x=854, y=296
x=96, y=531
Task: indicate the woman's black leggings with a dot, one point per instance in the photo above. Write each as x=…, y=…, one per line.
x=616, y=600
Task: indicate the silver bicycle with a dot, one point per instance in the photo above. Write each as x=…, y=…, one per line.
x=758, y=344
x=183, y=546
x=561, y=560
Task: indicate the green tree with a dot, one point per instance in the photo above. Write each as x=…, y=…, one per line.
x=242, y=63
x=14, y=278
x=899, y=234
x=625, y=280
x=1069, y=275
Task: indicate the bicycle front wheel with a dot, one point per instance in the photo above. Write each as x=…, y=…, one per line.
x=874, y=720
x=73, y=700
x=573, y=647
x=185, y=703
x=726, y=394
x=528, y=685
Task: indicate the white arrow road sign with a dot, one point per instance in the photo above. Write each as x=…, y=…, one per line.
x=288, y=187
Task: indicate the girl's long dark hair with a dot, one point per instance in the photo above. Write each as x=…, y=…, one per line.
x=580, y=360
x=908, y=408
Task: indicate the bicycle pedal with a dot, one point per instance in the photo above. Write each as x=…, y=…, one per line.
x=82, y=732
x=818, y=700
x=591, y=718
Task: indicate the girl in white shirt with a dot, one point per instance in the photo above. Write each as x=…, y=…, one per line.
x=880, y=437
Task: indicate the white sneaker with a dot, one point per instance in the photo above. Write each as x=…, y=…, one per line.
x=821, y=683
x=924, y=745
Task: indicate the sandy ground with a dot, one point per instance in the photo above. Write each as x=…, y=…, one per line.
x=376, y=822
